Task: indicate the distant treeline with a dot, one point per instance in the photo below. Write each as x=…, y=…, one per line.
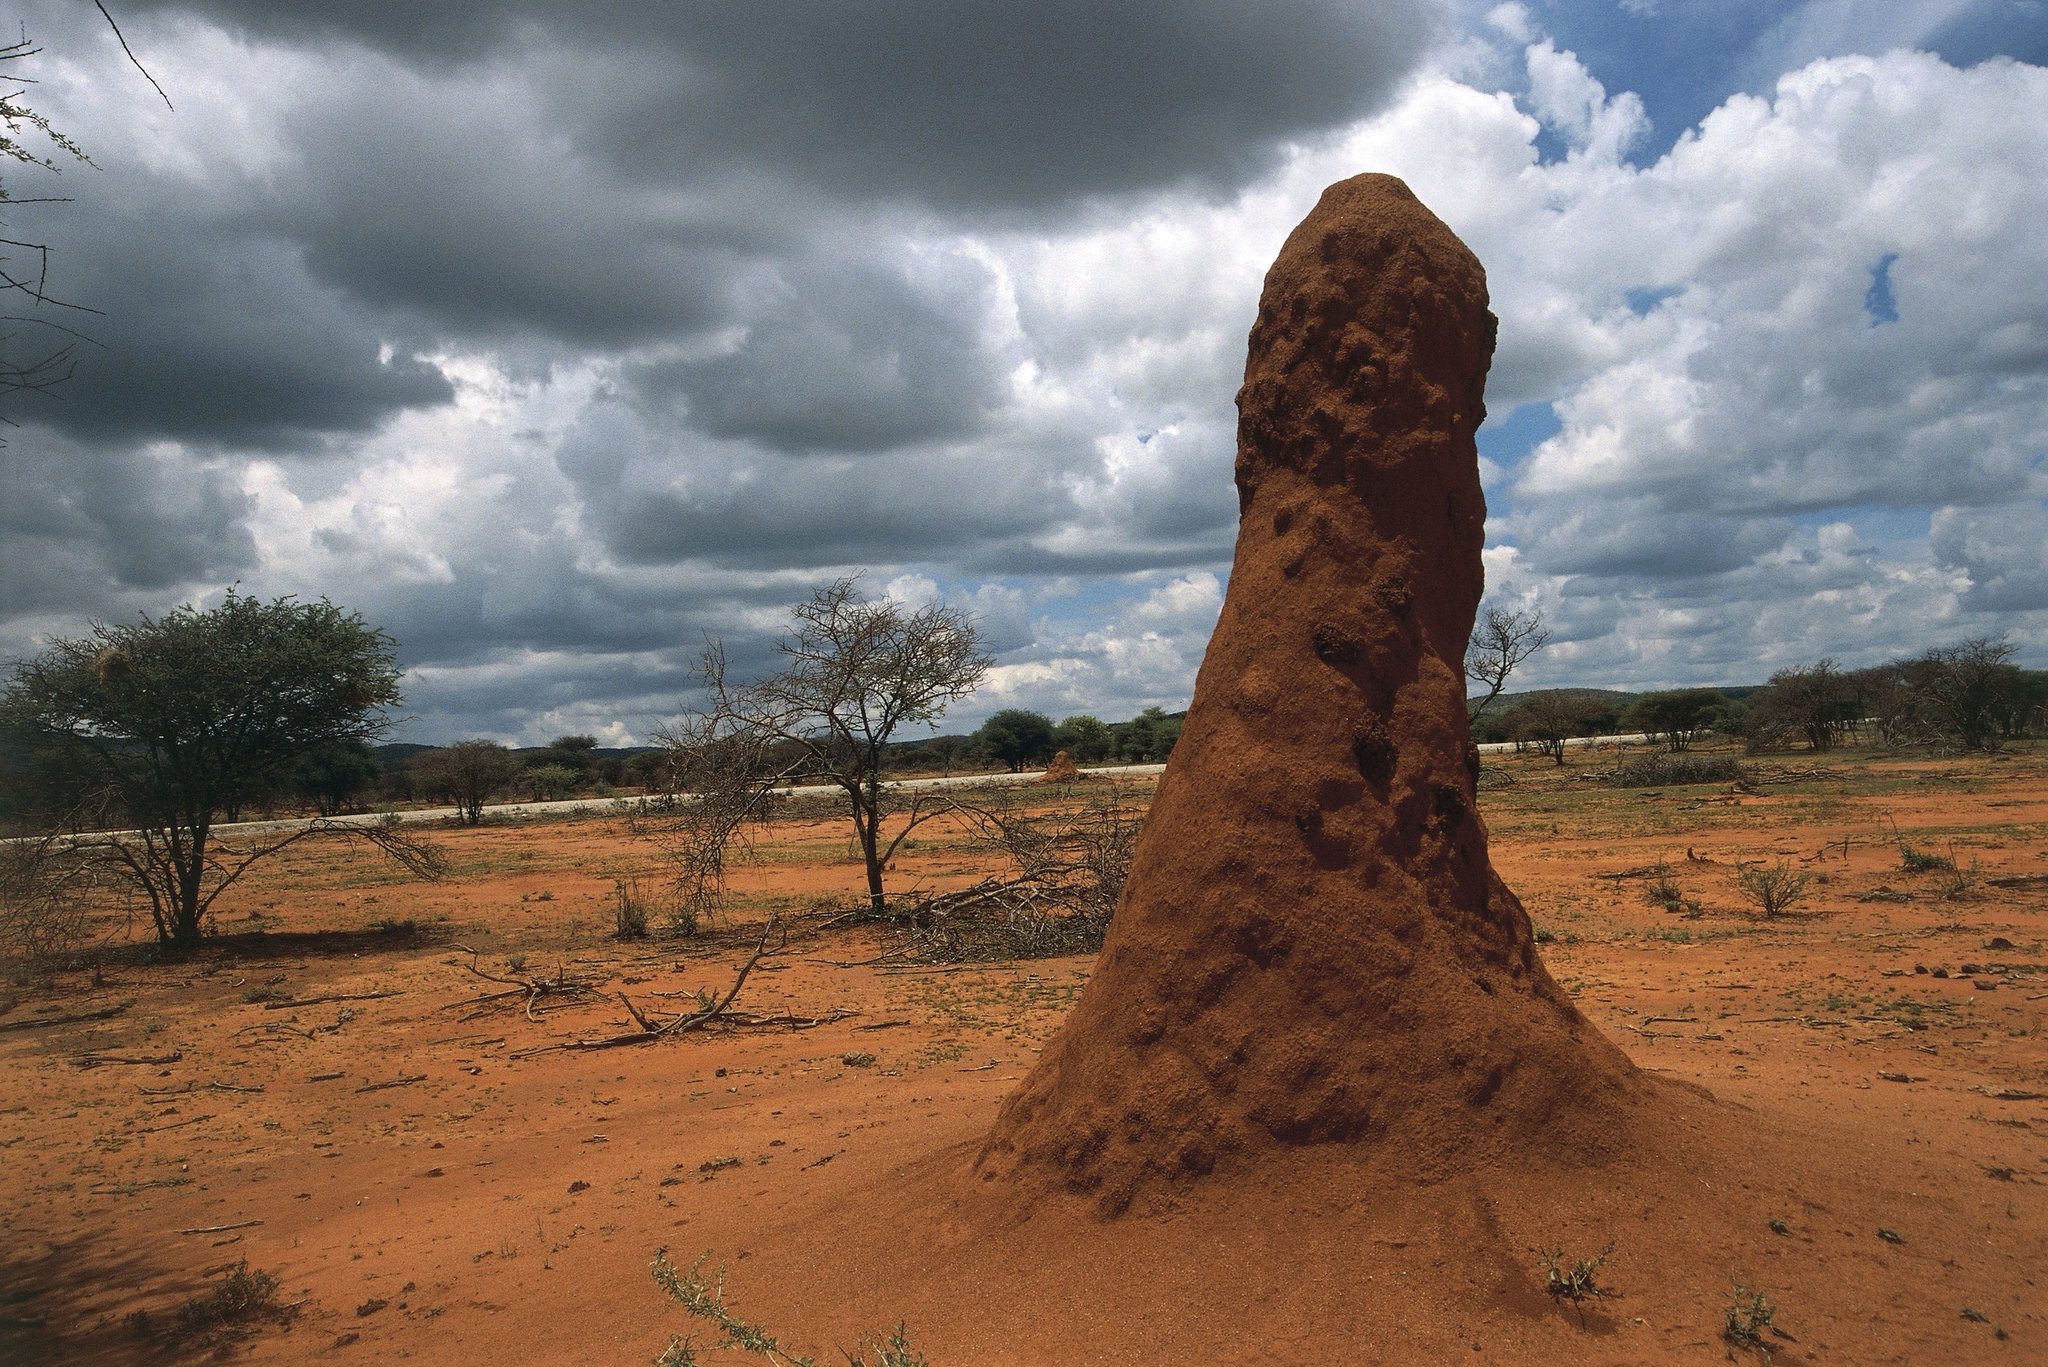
x=352, y=776
x=1968, y=696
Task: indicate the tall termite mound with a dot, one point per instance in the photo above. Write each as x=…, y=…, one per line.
x=1312, y=947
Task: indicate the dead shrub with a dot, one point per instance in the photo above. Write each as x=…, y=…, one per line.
x=45, y=909
x=1065, y=872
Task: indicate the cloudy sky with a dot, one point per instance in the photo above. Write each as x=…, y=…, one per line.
x=554, y=337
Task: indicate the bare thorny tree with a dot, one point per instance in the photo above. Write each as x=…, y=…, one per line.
x=855, y=673
x=1501, y=641
x=31, y=368
x=38, y=367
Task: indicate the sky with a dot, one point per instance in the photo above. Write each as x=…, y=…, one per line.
x=554, y=339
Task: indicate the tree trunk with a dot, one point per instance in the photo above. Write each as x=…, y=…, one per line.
x=865, y=822
x=185, y=908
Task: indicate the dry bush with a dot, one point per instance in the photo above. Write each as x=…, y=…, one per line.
x=629, y=910
x=728, y=782
x=1662, y=770
x=1065, y=871
x=703, y=1298
x=45, y=909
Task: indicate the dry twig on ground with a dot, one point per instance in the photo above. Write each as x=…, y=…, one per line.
x=710, y=1010
x=532, y=991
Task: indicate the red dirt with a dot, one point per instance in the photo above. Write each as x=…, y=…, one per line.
x=1330, y=1262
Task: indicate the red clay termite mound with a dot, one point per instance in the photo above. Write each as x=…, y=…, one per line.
x=1313, y=948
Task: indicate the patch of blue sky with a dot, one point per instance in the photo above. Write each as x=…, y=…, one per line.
x=1994, y=28
x=1642, y=299
x=1550, y=147
x=1877, y=300
x=1681, y=56
x=1685, y=57
x=1505, y=438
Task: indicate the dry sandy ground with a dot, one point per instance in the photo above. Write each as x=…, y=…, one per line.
x=424, y=1193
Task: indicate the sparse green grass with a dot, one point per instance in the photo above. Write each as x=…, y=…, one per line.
x=704, y=1299
x=1749, y=1318
x=229, y=1312
x=1578, y=1282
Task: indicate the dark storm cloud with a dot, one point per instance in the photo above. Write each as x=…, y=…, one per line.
x=1006, y=103
x=847, y=355
x=444, y=199
x=79, y=521
x=504, y=175
x=766, y=512
x=214, y=335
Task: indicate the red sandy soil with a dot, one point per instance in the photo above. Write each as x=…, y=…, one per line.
x=502, y=1209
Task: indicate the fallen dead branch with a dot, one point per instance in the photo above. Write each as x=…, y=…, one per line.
x=404, y=1081
x=267, y=1031
x=335, y=997
x=711, y=1010
x=221, y=1229
x=103, y=1013
x=155, y=1060
x=532, y=990
x=193, y=1087
x=1066, y=872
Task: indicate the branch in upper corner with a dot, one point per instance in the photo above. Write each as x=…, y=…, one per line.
x=123, y=40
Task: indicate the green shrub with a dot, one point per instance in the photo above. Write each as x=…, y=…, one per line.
x=1663, y=891
x=1920, y=861
x=629, y=910
x=1749, y=1319
x=1576, y=1283
x=1776, y=889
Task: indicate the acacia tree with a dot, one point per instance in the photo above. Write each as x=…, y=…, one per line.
x=854, y=672
x=1548, y=720
x=468, y=774
x=1962, y=687
x=1501, y=641
x=1014, y=737
x=173, y=721
x=1676, y=717
x=1816, y=702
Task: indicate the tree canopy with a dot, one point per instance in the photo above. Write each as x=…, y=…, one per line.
x=1014, y=737
x=172, y=721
